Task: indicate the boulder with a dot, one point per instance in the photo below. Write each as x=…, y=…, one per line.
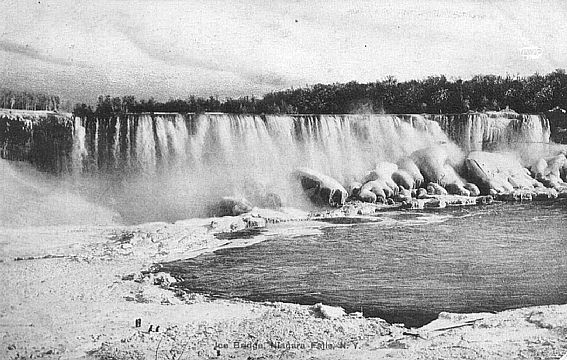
x=230, y=206
x=550, y=171
x=404, y=179
x=367, y=196
x=517, y=183
x=383, y=171
x=563, y=172
x=450, y=176
x=431, y=162
x=538, y=169
x=421, y=193
x=435, y=204
x=320, y=188
x=409, y=166
x=435, y=189
x=354, y=188
x=458, y=200
x=485, y=200
x=435, y=165
x=455, y=189
x=329, y=312
x=271, y=201
x=492, y=172
x=473, y=189
x=258, y=194
x=161, y=278
x=546, y=194
x=517, y=195
x=403, y=195
x=254, y=222
x=414, y=204
x=378, y=188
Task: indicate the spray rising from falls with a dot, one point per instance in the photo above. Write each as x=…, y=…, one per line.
x=526, y=134
x=342, y=146
x=186, y=161
x=177, y=164
x=171, y=166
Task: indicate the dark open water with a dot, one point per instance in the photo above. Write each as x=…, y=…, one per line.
x=407, y=268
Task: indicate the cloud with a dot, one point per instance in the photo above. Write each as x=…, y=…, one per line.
x=216, y=41
x=32, y=53
x=158, y=49
x=271, y=79
x=162, y=50
x=238, y=48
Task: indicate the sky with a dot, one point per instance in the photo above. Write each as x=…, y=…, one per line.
x=171, y=49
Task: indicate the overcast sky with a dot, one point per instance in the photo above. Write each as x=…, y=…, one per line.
x=234, y=48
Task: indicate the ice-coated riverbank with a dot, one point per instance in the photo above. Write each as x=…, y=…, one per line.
x=76, y=292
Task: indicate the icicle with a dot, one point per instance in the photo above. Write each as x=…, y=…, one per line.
x=145, y=144
x=79, y=145
x=116, y=144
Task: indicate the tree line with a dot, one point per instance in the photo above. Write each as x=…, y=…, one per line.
x=435, y=94
x=25, y=100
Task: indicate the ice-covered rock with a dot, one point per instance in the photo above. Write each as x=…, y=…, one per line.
x=329, y=312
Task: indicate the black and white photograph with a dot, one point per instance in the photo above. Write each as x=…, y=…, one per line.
x=283, y=179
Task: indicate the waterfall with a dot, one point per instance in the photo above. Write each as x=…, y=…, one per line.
x=79, y=148
x=162, y=141
x=228, y=154
x=177, y=136
x=526, y=134
x=145, y=144
x=342, y=146
x=172, y=164
x=270, y=146
x=96, y=163
x=128, y=143
x=116, y=144
x=42, y=138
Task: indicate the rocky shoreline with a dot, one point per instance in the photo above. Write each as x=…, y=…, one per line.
x=76, y=292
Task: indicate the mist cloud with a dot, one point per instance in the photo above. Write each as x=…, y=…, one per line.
x=33, y=53
x=235, y=48
x=195, y=56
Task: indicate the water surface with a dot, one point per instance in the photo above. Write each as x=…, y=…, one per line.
x=406, y=268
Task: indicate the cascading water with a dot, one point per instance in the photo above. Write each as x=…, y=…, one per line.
x=523, y=133
x=171, y=165
x=79, y=149
x=342, y=146
x=145, y=145
x=321, y=141
x=192, y=160
x=203, y=157
x=116, y=144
